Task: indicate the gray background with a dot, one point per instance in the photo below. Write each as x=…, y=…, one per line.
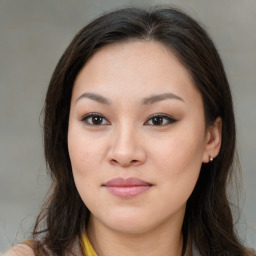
x=34, y=34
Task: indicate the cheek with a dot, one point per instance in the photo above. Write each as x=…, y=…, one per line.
x=83, y=161
x=179, y=153
x=179, y=177
x=84, y=167
x=84, y=152
x=179, y=161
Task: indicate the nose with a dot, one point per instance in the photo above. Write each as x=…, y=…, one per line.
x=126, y=148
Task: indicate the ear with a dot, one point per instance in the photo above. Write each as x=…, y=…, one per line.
x=213, y=140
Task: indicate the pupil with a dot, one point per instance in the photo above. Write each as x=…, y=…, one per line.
x=97, y=120
x=157, y=120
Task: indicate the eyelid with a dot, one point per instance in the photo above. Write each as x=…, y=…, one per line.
x=93, y=114
x=164, y=116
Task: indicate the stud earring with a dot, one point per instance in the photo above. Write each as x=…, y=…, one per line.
x=210, y=158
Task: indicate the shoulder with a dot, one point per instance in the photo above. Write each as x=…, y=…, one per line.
x=20, y=250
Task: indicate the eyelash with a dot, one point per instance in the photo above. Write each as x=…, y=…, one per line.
x=163, y=118
x=168, y=119
x=86, y=118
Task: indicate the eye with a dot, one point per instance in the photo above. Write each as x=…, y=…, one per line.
x=95, y=119
x=160, y=120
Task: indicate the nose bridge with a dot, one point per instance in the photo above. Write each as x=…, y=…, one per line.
x=126, y=148
x=123, y=141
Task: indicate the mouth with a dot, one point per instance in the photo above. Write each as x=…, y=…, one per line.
x=127, y=188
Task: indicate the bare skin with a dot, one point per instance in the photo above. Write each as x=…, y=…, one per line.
x=136, y=115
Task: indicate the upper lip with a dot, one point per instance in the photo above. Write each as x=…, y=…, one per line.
x=126, y=182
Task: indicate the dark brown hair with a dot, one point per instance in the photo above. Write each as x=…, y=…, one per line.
x=208, y=218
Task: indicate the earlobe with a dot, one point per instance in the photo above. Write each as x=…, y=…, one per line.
x=213, y=141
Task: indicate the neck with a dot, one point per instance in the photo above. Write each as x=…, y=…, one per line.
x=158, y=242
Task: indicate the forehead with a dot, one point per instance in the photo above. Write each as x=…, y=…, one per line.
x=135, y=67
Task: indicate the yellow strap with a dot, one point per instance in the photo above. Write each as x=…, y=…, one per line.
x=29, y=242
x=87, y=247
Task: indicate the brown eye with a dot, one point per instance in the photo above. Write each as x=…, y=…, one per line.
x=95, y=119
x=157, y=120
x=160, y=120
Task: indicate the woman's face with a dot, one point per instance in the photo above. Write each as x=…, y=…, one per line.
x=136, y=136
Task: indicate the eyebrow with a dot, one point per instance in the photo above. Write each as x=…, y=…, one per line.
x=159, y=97
x=95, y=97
x=146, y=101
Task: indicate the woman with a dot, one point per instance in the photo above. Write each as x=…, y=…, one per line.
x=139, y=138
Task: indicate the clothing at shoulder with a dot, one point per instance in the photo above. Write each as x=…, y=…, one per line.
x=25, y=249
x=20, y=250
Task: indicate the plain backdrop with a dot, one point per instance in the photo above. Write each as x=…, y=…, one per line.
x=34, y=34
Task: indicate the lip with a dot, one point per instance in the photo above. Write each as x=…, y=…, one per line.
x=127, y=188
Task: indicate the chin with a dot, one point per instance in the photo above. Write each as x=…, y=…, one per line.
x=130, y=227
x=130, y=223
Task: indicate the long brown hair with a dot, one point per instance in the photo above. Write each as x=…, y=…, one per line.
x=208, y=218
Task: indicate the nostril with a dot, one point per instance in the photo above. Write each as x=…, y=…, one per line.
x=113, y=161
x=124, y=163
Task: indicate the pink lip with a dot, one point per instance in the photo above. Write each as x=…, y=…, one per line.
x=127, y=188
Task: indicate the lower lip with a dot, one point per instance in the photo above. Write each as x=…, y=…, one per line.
x=128, y=191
